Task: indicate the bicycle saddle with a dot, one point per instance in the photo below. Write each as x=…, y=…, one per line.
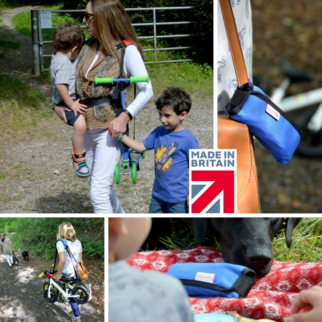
x=294, y=74
x=66, y=280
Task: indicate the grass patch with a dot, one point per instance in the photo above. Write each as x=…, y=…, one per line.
x=6, y=42
x=20, y=107
x=2, y=176
x=191, y=76
x=23, y=25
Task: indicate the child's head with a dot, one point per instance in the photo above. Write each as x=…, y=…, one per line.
x=68, y=36
x=126, y=235
x=66, y=231
x=173, y=105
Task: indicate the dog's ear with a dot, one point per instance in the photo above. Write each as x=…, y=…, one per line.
x=291, y=223
x=198, y=227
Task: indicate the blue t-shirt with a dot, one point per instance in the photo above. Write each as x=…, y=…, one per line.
x=171, y=150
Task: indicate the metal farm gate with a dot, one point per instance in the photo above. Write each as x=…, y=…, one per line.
x=41, y=20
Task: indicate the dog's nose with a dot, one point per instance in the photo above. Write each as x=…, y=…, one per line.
x=259, y=262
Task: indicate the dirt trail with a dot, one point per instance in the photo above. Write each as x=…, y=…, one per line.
x=21, y=296
x=39, y=175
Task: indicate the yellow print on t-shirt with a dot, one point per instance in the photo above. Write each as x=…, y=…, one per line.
x=162, y=156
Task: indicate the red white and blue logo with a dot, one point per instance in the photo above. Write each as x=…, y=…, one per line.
x=213, y=179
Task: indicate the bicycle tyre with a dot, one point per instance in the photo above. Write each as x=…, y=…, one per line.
x=117, y=174
x=311, y=142
x=53, y=296
x=134, y=173
x=82, y=292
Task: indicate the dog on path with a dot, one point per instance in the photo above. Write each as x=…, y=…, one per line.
x=25, y=255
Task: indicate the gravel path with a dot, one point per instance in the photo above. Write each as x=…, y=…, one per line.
x=21, y=296
x=42, y=180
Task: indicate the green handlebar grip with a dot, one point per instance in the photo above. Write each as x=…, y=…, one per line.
x=139, y=79
x=106, y=80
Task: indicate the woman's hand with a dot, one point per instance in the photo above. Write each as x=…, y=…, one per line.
x=60, y=111
x=78, y=107
x=57, y=278
x=118, y=126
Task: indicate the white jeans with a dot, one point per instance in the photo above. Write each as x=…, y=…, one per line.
x=9, y=260
x=102, y=155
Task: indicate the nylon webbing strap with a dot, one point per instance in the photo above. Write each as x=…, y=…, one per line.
x=234, y=43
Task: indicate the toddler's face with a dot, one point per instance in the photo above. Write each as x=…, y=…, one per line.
x=169, y=119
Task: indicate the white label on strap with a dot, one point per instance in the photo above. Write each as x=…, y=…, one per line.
x=272, y=112
x=205, y=277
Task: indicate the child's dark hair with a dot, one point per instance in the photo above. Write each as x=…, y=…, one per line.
x=175, y=97
x=68, y=36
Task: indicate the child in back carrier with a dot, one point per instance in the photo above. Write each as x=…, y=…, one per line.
x=68, y=40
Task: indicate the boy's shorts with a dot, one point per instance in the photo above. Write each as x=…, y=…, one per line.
x=71, y=118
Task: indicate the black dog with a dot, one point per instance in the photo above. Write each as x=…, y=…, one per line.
x=25, y=255
x=245, y=241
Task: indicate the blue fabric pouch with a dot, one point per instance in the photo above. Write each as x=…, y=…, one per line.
x=206, y=280
x=267, y=122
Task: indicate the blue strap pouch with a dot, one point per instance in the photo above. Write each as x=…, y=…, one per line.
x=251, y=106
x=267, y=122
x=206, y=280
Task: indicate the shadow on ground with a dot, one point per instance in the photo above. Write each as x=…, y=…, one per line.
x=65, y=202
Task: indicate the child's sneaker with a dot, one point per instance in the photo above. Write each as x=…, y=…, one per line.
x=80, y=165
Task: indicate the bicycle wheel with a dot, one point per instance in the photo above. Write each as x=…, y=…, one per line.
x=134, y=173
x=117, y=174
x=311, y=141
x=83, y=294
x=53, y=296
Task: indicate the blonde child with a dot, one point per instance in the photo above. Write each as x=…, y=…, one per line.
x=65, y=268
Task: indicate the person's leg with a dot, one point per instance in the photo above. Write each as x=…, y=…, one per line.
x=156, y=206
x=104, y=157
x=75, y=309
x=116, y=205
x=79, y=154
x=177, y=208
x=78, y=135
x=9, y=260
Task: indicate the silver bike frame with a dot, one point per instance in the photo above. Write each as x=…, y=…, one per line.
x=298, y=101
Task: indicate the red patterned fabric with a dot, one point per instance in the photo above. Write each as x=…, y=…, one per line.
x=271, y=296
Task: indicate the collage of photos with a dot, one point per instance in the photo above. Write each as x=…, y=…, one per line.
x=112, y=117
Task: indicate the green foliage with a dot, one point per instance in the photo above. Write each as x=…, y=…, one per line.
x=201, y=15
x=22, y=21
x=93, y=247
x=39, y=235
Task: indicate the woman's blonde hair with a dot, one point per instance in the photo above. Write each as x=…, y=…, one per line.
x=112, y=24
x=66, y=231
